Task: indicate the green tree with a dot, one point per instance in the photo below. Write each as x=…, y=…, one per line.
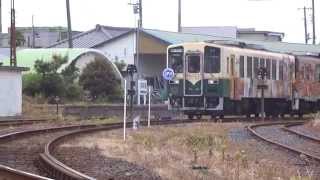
x=120, y=65
x=20, y=40
x=98, y=78
x=31, y=84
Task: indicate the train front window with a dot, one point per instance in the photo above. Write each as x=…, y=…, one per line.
x=211, y=60
x=176, y=59
x=193, y=63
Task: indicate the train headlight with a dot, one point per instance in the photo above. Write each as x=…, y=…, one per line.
x=212, y=82
x=174, y=82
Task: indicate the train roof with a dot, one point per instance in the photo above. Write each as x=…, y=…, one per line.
x=236, y=46
x=171, y=38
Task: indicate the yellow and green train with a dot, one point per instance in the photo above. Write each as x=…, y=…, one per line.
x=222, y=79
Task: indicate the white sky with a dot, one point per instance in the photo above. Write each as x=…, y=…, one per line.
x=271, y=15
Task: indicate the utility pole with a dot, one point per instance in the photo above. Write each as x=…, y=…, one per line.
x=0, y=16
x=69, y=25
x=306, y=34
x=305, y=25
x=33, y=34
x=313, y=24
x=140, y=14
x=179, y=16
x=13, y=55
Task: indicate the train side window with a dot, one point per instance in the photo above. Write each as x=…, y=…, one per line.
x=274, y=69
x=249, y=67
x=268, y=67
x=232, y=59
x=280, y=70
x=317, y=73
x=211, y=60
x=227, y=65
x=262, y=63
x=255, y=66
x=241, y=66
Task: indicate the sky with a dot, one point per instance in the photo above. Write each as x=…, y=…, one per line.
x=269, y=15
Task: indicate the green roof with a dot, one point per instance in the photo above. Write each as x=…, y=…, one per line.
x=177, y=38
x=281, y=47
x=27, y=57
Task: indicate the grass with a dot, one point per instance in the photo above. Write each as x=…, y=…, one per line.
x=192, y=151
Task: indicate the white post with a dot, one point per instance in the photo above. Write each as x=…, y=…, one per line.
x=125, y=110
x=149, y=110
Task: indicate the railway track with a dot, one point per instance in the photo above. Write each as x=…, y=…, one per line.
x=281, y=135
x=19, y=151
x=24, y=154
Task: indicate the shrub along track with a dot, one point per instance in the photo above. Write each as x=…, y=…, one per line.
x=281, y=135
x=20, y=150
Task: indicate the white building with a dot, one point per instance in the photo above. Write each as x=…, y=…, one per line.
x=11, y=91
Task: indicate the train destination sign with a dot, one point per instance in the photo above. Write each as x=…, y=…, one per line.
x=168, y=74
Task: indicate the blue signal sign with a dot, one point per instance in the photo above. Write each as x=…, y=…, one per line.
x=168, y=74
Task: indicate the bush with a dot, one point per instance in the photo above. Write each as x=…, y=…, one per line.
x=31, y=84
x=99, y=80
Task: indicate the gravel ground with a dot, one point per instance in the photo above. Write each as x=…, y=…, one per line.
x=276, y=159
x=307, y=130
x=275, y=133
x=23, y=153
x=100, y=167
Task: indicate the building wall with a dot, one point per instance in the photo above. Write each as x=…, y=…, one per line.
x=122, y=48
x=10, y=93
x=259, y=37
x=152, y=65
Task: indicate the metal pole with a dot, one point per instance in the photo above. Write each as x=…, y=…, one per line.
x=313, y=23
x=69, y=25
x=179, y=16
x=305, y=25
x=13, y=56
x=140, y=14
x=149, y=109
x=125, y=110
x=262, y=104
x=131, y=97
x=0, y=16
x=33, y=34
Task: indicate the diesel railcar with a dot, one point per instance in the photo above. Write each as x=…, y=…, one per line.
x=219, y=79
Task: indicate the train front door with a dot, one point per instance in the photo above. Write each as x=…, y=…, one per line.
x=193, y=76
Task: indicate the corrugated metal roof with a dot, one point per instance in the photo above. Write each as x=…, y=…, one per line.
x=93, y=37
x=281, y=47
x=177, y=38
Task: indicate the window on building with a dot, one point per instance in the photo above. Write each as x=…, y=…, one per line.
x=280, y=70
x=241, y=70
x=268, y=67
x=274, y=69
x=211, y=60
x=249, y=67
x=193, y=63
x=255, y=66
